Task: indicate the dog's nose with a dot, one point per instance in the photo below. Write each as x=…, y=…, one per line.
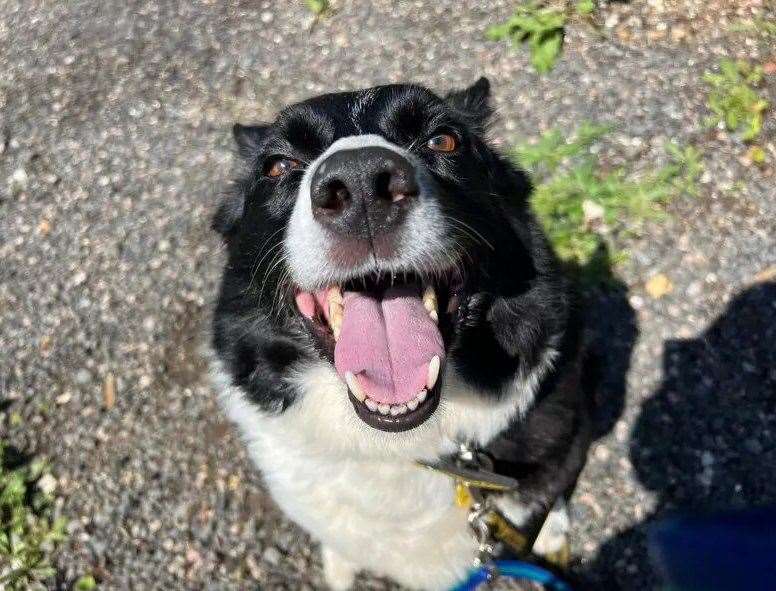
x=363, y=192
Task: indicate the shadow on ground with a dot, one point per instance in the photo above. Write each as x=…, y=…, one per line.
x=704, y=441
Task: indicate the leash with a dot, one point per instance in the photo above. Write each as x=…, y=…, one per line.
x=474, y=480
x=514, y=569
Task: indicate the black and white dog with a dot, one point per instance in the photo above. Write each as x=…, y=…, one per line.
x=388, y=295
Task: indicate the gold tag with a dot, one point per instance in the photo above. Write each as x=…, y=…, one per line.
x=463, y=498
x=505, y=532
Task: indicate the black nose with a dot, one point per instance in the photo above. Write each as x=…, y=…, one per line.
x=363, y=192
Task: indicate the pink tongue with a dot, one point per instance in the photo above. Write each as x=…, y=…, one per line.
x=387, y=343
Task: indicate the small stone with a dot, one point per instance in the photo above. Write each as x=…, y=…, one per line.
x=78, y=279
x=593, y=212
x=193, y=557
x=82, y=377
x=271, y=555
x=63, y=398
x=44, y=227
x=253, y=568
x=47, y=484
x=19, y=181
x=267, y=17
x=602, y=453
x=149, y=324
x=707, y=459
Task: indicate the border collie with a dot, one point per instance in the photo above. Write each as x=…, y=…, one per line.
x=388, y=296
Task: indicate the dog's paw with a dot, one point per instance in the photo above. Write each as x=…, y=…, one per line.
x=338, y=572
x=552, y=543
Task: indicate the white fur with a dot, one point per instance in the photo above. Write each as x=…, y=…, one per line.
x=307, y=243
x=553, y=535
x=358, y=490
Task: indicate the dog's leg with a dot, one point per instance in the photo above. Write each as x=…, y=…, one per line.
x=338, y=572
x=551, y=541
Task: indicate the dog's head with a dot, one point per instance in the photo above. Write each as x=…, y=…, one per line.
x=380, y=226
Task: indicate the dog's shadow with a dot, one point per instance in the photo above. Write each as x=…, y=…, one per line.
x=704, y=440
x=610, y=334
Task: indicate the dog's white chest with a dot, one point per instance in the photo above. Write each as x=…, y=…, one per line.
x=393, y=518
x=358, y=490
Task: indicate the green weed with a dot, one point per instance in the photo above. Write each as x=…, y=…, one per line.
x=734, y=100
x=585, y=208
x=317, y=7
x=541, y=27
x=85, y=583
x=28, y=532
x=761, y=26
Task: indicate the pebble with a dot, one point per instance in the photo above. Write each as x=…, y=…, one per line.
x=271, y=555
x=19, y=181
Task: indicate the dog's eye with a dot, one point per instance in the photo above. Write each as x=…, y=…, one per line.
x=444, y=142
x=279, y=166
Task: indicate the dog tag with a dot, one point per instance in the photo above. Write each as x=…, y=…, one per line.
x=473, y=477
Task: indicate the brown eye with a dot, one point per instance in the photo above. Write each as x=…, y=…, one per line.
x=444, y=142
x=280, y=166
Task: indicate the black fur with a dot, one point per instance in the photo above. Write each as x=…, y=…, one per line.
x=517, y=302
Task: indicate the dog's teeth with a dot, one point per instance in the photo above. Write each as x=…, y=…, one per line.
x=334, y=295
x=398, y=409
x=384, y=409
x=355, y=387
x=413, y=404
x=371, y=404
x=433, y=371
x=421, y=396
x=430, y=302
x=335, y=317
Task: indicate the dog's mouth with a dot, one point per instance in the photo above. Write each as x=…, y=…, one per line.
x=385, y=333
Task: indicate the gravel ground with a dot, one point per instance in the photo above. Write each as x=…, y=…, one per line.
x=114, y=143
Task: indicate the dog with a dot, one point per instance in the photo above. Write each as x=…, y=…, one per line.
x=388, y=297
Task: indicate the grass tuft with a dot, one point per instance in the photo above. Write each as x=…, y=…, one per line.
x=317, y=7
x=541, y=27
x=28, y=532
x=763, y=27
x=734, y=100
x=585, y=208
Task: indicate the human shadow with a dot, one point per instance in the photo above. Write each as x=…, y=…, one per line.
x=705, y=440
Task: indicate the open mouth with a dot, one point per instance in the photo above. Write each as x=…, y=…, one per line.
x=385, y=335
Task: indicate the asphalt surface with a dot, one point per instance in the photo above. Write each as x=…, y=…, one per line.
x=114, y=145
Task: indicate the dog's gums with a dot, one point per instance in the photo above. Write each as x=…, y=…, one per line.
x=387, y=344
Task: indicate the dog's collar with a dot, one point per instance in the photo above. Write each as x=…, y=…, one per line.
x=475, y=484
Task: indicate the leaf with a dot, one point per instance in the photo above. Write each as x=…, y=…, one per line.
x=756, y=155
x=659, y=286
x=541, y=28
x=585, y=7
x=317, y=7
x=546, y=51
x=85, y=583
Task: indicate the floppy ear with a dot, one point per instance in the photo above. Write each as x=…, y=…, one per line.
x=248, y=138
x=473, y=102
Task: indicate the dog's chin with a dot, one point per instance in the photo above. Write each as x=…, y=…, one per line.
x=387, y=336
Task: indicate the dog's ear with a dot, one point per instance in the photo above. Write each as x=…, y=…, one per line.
x=230, y=210
x=473, y=102
x=248, y=138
